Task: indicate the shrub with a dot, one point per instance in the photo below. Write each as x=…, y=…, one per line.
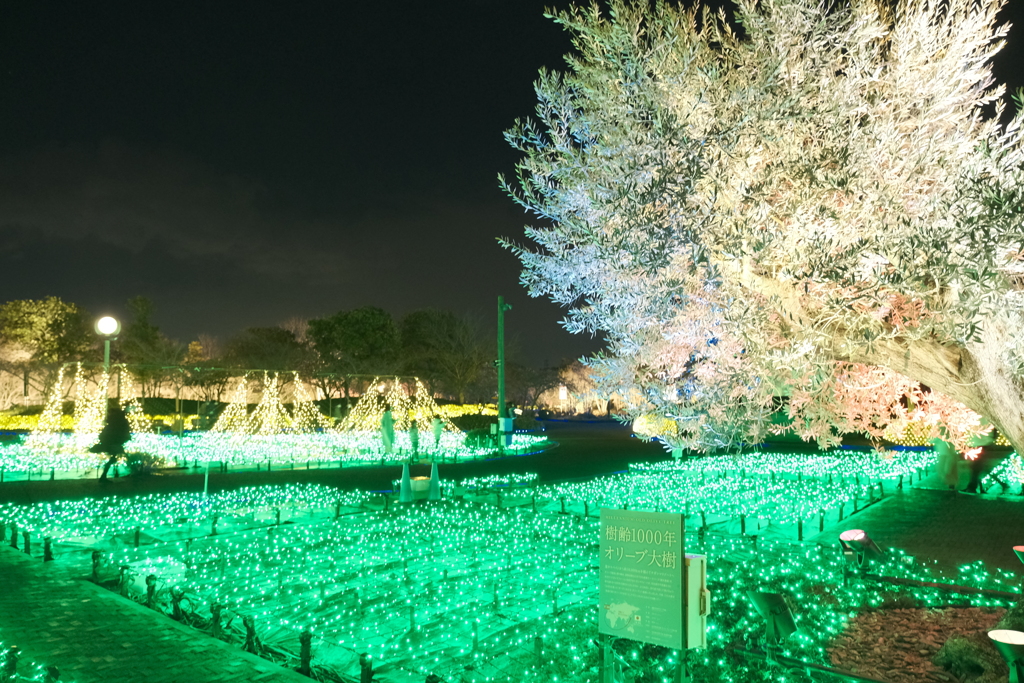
x=141, y=463
x=969, y=658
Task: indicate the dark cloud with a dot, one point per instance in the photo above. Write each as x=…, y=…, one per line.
x=218, y=253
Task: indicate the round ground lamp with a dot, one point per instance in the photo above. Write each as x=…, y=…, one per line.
x=773, y=609
x=857, y=546
x=1011, y=646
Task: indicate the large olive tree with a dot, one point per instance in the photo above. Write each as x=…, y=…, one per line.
x=796, y=200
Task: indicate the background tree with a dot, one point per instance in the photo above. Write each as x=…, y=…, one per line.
x=41, y=334
x=759, y=214
x=264, y=348
x=150, y=355
x=363, y=341
x=203, y=369
x=446, y=350
x=524, y=384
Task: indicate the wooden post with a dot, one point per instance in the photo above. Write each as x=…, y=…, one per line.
x=305, y=652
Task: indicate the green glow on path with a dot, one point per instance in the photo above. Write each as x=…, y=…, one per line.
x=510, y=574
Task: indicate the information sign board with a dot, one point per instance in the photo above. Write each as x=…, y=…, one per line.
x=642, y=578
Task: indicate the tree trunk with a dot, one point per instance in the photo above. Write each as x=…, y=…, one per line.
x=974, y=374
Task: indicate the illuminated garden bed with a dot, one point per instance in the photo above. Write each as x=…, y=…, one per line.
x=68, y=453
x=467, y=590
x=783, y=491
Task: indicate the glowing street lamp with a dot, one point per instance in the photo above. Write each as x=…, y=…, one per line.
x=108, y=328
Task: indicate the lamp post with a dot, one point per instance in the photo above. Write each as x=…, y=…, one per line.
x=108, y=328
x=502, y=410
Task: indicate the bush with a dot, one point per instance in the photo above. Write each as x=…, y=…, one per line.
x=141, y=463
x=472, y=423
x=970, y=658
x=1013, y=620
x=527, y=422
x=479, y=438
x=468, y=423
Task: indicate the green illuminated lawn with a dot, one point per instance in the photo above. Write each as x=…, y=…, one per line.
x=464, y=587
x=65, y=451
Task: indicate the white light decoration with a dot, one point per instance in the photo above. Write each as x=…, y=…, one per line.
x=90, y=407
x=306, y=417
x=234, y=417
x=270, y=416
x=132, y=406
x=47, y=434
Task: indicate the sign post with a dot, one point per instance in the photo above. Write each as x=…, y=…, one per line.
x=644, y=582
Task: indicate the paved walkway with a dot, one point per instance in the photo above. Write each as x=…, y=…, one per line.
x=952, y=528
x=93, y=635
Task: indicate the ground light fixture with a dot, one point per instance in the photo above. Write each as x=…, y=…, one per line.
x=1011, y=646
x=857, y=546
x=773, y=609
x=1018, y=550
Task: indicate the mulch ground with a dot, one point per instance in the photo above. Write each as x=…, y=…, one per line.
x=903, y=645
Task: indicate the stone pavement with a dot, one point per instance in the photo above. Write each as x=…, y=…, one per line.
x=93, y=635
x=951, y=528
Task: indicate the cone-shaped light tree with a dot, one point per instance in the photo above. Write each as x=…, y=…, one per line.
x=801, y=199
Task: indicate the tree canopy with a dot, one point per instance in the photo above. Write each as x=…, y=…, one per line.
x=809, y=202
x=447, y=350
x=264, y=348
x=360, y=341
x=47, y=330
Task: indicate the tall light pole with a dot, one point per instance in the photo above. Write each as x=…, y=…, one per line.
x=108, y=328
x=503, y=426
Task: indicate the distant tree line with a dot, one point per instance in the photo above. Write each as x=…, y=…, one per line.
x=340, y=353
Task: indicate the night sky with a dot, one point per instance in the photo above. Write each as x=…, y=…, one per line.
x=243, y=163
